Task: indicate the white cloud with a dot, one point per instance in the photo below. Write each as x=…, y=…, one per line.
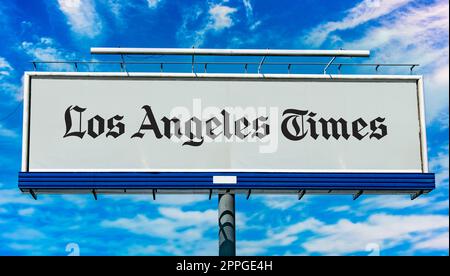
x=183, y=231
x=8, y=85
x=342, y=208
x=26, y=212
x=42, y=50
x=397, y=202
x=250, y=16
x=140, y=224
x=6, y=132
x=195, y=26
x=439, y=242
x=172, y=224
x=281, y=202
x=11, y=89
x=21, y=247
x=82, y=17
x=417, y=25
x=347, y=237
x=189, y=34
x=134, y=250
x=81, y=201
x=180, y=199
x=47, y=49
x=114, y=6
x=121, y=9
x=164, y=199
x=436, y=92
x=439, y=165
x=24, y=234
x=220, y=17
x=205, y=247
x=153, y=3
x=276, y=238
x=14, y=196
x=363, y=12
x=248, y=8
x=5, y=68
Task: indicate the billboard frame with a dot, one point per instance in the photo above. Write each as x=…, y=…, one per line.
x=388, y=176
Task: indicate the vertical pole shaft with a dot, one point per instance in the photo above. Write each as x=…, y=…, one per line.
x=227, y=224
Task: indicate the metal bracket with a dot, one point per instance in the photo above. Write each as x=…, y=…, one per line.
x=416, y=195
x=33, y=194
x=34, y=66
x=301, y=193
x=261, y=64
x=161, y=67
x=76, y=66
x=328, y=65
x=412, y=68
x=358, y=194
x=206, y=68
x=154, y=194
x=376, y=67
x=193, y=61
x=210, y=194
x=123, y=66
x=289, y=68
x=246, y=67
x=248, y=193
x=95, y=194
x=339, y=68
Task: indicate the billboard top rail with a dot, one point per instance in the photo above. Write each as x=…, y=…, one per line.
x=245, y=65
x=197, y=66
x=228, y=52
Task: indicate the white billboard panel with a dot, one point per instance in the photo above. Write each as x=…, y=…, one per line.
x=206, y=122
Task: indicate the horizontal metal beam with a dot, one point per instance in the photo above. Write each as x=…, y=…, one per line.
x=226, y=63
x=228, y=76
x=228, y=52
x=344, y=182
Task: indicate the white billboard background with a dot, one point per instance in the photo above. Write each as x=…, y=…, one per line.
x=395, y=99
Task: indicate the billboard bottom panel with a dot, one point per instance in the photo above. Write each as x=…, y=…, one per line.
x=215, y=182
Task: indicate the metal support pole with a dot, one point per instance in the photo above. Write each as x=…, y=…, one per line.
x=227, y=225
x=123, y=65
x=261, y=64
x=328, y=65
x=193, y=61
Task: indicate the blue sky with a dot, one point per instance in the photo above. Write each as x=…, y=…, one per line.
x=401, y=31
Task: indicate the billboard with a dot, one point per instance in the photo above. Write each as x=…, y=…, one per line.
x=243, y=123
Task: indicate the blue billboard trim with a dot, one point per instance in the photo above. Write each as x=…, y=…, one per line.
x=389, y=182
